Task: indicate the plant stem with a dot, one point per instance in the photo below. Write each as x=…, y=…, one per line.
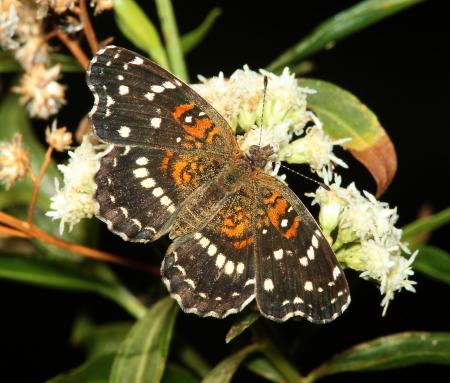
x=74, y=48
x=88, y=28
x=37, y=184
x=172, y=39
x=274, y=355
x=6, y=232
x=40, y=235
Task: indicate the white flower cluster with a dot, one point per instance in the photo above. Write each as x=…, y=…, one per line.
x=240, y=99
x=367, y=239
x=75, y=199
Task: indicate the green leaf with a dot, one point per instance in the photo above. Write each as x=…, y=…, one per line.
x=140, y=30
x=86, y=276
x=95, y=370
x=338, y=27
x=393, y=351
x=345, y=116
x=262, y=367
x=68, y=64
x=244, y=321
x=414, y=231
x=224, y=371
x=142, y=356
x=433, y=262
x=172, y=39
x=177, y=374
x=98, y=339
x=192, y=38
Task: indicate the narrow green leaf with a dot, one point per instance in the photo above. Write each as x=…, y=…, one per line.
x=68, y=64
x=177, y=374
x=262, y=367
x=142, y=356
x=192, y=38
x=244, y=321
x=433, y=262
x=191, y=358
x=413, y=231
x=95, y=370
x=140, y=30
x=345, y=116
x=98, y=339
x=172, y=38
x=86, y=276
x=339, y=26
x=224, y=371
x=393, y=351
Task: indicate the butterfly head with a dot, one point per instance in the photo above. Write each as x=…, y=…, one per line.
x=258, y=156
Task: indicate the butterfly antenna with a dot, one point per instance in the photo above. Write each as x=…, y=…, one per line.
x=266, y=80
x=325, y=186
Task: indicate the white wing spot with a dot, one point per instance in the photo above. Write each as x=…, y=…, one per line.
x=315, y=242
x=109, y=101
x=124, y=211
x=149, y=96
x=204, y=242
x=264, y=231
x=168, y=85
x=171, y=209
x=155, y=122
x=297, y=300
x=123, y=90
x=158, y=192
x=308, y=286
x=126, y=151
x=124, y=131
x=140, y=172
x=201, y=114
x=240, y=268
x=181, y=268
x=197, y=235
x=120, y=77
x=165, y=201
x=318, y=233
x=235, y=294
x=304, y=261
x=331, y=284
x=203, y=295
x=142, y=161
x=148, y=183
x=212, y=249
x=157, y=88
x=336, y=272
x=320, y=290
x=278, y=254
x=178, y=139
x=284, y=222
x=333, y=300
x=137, y=223
x=190, y=282
x=340, y=293
x=218, y=298
x=249, y=282
x=268, y=284
x=137, y=61
x=112, y=198
x=220, y=260
x=188, y=119
x=310, y=253
x=125, y=66
x=229, y=267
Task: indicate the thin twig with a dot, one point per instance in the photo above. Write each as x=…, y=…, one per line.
x=74, y=48
x=37, y=183
x=6, y=232
x=88, y=28
x=40, y=235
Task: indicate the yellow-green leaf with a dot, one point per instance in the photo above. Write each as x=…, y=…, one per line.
x=244, y=321
x=339, y=26
x=434, y=263
x=224, y=371
x=393, y=351
x=142, y=355
x=192, y=38
x=259, y=365
x=140, y=30
x=345, y=116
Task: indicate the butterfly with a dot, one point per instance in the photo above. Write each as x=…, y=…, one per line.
x=175, y=167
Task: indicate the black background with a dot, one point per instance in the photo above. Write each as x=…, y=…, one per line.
x=398, y=67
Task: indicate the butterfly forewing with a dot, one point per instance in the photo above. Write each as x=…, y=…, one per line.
x=297, y=273
x=136, y=102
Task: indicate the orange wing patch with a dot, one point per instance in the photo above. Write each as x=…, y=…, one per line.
x=279, y=215
x=237, y=227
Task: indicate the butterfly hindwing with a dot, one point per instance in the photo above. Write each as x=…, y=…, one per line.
x=297, y=273
x=211, y=270
x=138, y=103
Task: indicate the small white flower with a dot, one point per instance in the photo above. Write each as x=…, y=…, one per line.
x=14, y=161
x=9, y=21
x=58, y=138
x=40, y=91
x=75, y=199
